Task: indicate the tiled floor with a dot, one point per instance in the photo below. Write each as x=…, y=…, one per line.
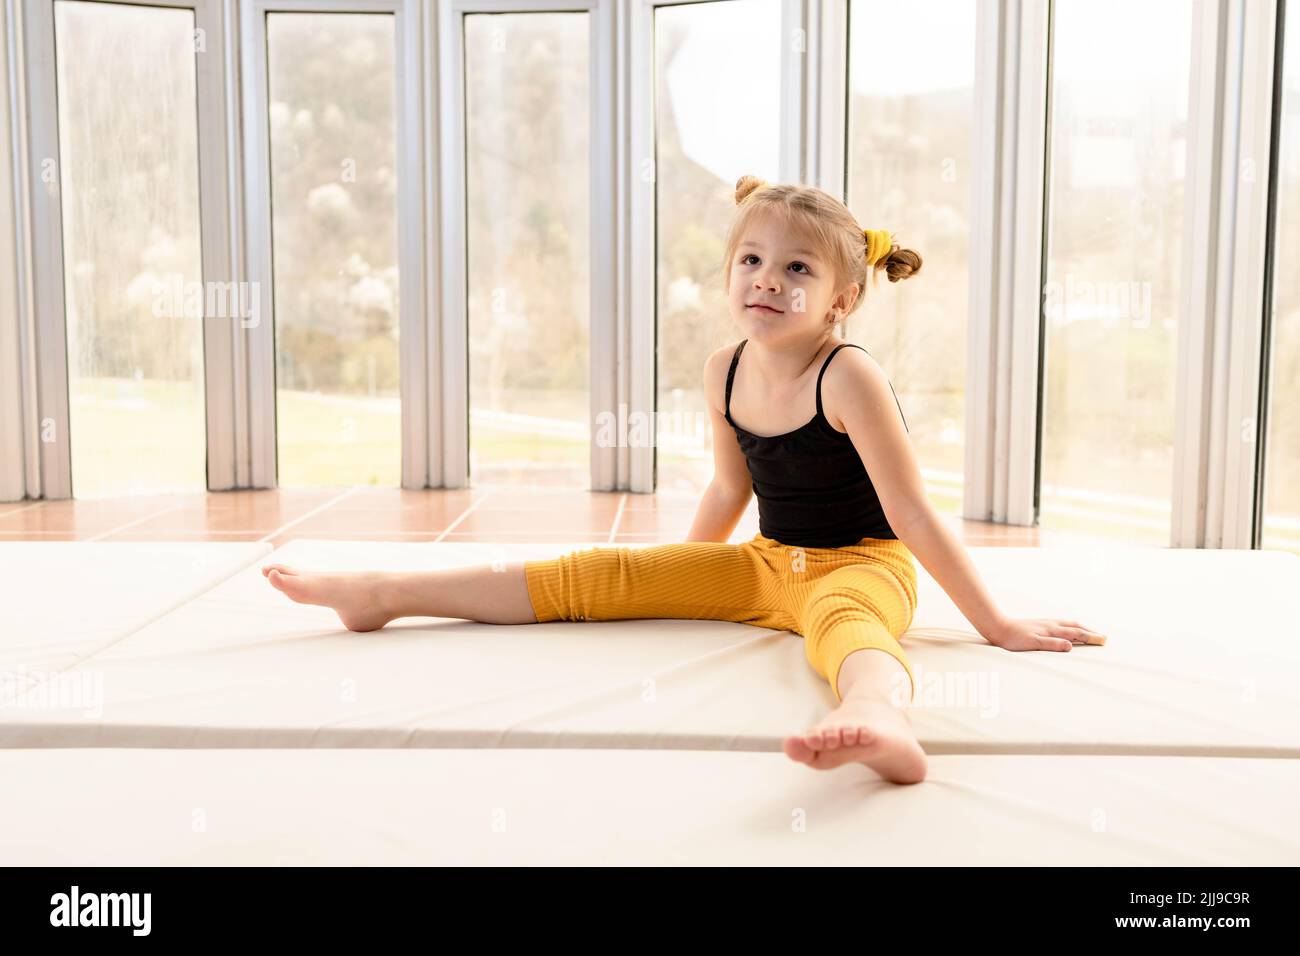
x=492, y=513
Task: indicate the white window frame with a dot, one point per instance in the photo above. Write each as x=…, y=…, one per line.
x=41, y=313
x=1222, y=309
x=1216, y=487
x=414, y=368
x=826, y=117
x=608, y=354
x=1284, y=29
x=19, y=475
x=1004, y=334
x=801, y=137
x=1214, y=482
x=1006, y=202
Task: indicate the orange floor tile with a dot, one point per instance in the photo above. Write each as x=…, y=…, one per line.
x=489, y=514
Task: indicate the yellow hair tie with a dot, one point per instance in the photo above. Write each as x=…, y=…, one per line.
x=879, y=243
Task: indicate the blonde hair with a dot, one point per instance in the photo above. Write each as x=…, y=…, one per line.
x=827, y=223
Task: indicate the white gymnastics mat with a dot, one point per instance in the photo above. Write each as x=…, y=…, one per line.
x=1203, y=659
x=108, y=807
x=64, y=600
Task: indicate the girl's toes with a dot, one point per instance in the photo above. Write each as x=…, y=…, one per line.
x=290, y=584
x=796, y=748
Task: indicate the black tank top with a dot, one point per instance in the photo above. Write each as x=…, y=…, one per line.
x=812, y=488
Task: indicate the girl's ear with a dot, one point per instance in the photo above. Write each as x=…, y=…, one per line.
x=844, y=301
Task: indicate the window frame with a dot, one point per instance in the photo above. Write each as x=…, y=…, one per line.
x=449, y=405
x=1218, y=484
x=41, y=355
x=1218, y=467
x=415, y=368
x=801, y=137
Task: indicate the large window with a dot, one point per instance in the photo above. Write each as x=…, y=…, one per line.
x=1114, y=249
x=717, y=117
x=911, y=97
x=529, y=266
x=334, y=247
x=124, y=122
x=1281, y=510
x=128, y=168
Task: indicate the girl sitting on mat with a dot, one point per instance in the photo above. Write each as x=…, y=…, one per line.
x=842, y=506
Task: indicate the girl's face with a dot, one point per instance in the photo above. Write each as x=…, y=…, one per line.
x=777, y=268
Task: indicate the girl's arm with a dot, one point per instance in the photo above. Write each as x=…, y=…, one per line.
x=718, y=514
x=857, y=391
x=728, y=494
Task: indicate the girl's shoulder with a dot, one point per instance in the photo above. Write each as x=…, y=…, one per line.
x=716, y=367
x=720, y=359
x=855, y=380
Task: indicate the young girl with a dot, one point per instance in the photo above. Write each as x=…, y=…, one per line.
x=842, y=506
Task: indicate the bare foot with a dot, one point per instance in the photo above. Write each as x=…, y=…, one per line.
x=355, y=595
x=867, y=730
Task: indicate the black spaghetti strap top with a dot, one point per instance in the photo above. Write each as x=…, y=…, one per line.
x=812, y=488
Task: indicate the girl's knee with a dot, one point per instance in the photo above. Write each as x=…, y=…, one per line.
x=867, y=594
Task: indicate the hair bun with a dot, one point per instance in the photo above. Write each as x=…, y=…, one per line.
x=746, y=185
x=900, y=264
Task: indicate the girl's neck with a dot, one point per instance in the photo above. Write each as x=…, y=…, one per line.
x=779, y=368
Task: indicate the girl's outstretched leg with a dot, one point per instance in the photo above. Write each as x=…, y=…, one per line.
x=868, y=726
x=367, y=600
x=690, y=580
x=851, y=623
x=699, y=580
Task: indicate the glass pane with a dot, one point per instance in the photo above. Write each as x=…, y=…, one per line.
x=528, y=186
x=334, y=245
x=1281, y=506
x=911, y=98
x=717, y=98
x=128, y=161
x=1115, y=214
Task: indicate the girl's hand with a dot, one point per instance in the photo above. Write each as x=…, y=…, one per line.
x=1042, y=634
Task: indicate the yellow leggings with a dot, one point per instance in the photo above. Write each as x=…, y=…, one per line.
x=839, y=599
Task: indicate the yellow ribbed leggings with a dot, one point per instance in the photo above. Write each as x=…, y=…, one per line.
x=840, y=599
